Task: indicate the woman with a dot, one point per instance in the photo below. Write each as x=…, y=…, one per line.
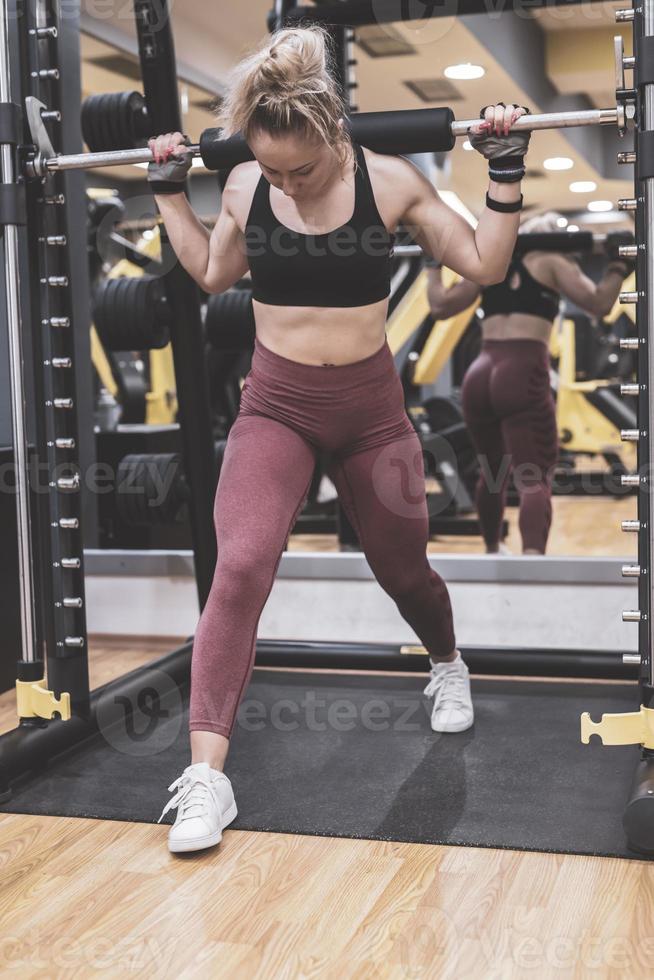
x=312, y=218
x=506, y=395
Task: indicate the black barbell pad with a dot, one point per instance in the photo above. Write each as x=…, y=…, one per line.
x=645, y=155
x=404, y=131
x=223, y=154
x=398, y=132
x=554, y=241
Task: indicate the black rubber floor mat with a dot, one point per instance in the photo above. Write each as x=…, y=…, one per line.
x=354, y=756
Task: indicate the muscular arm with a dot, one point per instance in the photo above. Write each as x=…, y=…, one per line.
x=595, y=298
x=217, y=260
x=444, y=303
x=481, y=255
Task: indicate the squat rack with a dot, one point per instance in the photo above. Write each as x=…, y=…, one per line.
x=35, y=739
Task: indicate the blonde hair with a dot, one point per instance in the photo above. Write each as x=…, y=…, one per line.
x=286, y=86
x=539, y=223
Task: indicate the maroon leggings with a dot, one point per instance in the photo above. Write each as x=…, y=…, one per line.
x=289, y=413
x=509, y=410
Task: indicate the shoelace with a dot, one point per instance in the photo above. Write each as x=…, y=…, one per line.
x=192, y=791
x=448, y=686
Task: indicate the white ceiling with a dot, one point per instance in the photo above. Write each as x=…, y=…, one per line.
x=211, y=37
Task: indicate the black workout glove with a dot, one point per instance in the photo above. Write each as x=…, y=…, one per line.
x=170, y=177
x=613, y=242
x=505, y=154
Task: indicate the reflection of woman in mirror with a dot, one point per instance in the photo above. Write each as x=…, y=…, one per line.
x=506, y=395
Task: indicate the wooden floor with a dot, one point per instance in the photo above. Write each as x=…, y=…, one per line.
x=86, y=898
x=581, y=526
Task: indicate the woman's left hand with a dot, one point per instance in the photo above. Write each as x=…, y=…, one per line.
x=494, y=137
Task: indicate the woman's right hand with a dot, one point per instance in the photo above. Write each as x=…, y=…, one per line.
x=172, y=162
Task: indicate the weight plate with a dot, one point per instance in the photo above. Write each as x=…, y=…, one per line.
x=101, y=123
x=113, y=121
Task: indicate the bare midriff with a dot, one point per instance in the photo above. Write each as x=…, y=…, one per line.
x=517, y=326
x=322, y=335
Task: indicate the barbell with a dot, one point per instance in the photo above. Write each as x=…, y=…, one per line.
x=550, y=241
x=396, y=132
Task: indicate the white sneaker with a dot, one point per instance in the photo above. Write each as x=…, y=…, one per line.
x=326, y=491
x=205, y=806
x=502, y=549
x=450, y=686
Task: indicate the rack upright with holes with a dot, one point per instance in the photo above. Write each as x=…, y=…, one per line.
x=639, y=813
x=44, y=369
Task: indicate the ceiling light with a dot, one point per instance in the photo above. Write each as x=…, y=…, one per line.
x=600, y=206
x=573, y=227
x=561, y=222
x=559, y=163
x=604, y=217
x=464, y=72
x=583, y=186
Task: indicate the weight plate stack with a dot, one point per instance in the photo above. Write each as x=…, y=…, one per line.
x=151, y=489
x=229, y=323
x=131, y=313
x=114, y=121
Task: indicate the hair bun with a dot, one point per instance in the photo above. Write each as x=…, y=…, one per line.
x=286, y=86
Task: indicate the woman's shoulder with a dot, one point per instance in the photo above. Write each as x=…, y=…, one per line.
x=393, y=174
x=395, y=181
x=544, y=266
x=242, y=177
x=239, y=189
x=387, y=165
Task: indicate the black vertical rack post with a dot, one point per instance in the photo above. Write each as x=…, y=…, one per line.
x=639, y=814
x=37, y=283
x=55, y=374
x=343, y=63
x=158, y=69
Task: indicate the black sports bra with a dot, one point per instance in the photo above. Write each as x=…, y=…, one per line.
x=530, y=296
x=349, y=266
